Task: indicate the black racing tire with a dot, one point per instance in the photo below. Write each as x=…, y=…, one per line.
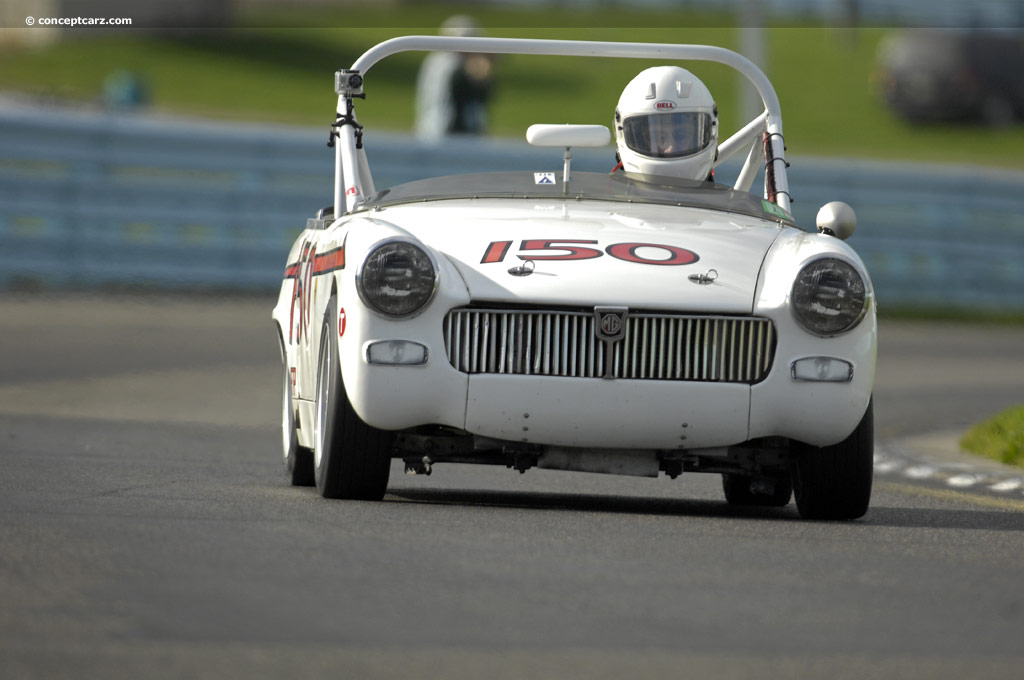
x=352, y=460
x=834, y=482
x=738, y=492
x=298, y=460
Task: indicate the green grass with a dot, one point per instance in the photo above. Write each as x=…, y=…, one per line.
x=1000, y=438
x=279, y=67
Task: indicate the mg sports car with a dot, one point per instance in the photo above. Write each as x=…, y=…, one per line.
x=595, y=322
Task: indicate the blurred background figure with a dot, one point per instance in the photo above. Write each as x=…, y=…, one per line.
x=453, y=88
x=125, y=90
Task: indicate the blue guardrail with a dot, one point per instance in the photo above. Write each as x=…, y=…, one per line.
x=94, y=199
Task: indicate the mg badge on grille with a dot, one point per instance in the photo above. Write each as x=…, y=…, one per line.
x=611, y=323
x=610, y=327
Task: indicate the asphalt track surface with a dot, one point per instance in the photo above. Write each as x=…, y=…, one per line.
x=146, y=530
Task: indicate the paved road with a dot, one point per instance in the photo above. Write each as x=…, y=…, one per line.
x=146, y=531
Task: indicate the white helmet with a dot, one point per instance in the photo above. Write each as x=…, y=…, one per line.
x=666, y=123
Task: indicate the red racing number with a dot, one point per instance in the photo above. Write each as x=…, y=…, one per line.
x=575, y=252
x=574, y=249
x=628, y=253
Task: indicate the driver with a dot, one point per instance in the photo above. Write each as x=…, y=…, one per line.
x=666, y=123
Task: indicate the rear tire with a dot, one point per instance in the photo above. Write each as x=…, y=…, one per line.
x=834, y=482
x=738, y=491
x=351, y=459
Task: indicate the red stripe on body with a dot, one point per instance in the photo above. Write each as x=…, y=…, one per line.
x=329, y=261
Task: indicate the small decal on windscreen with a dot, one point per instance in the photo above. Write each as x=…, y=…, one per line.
x=543, y=178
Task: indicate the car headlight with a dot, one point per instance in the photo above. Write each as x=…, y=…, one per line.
x=829, y=297
x=397, y=278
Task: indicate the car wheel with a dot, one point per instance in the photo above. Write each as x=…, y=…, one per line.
x=351, y=459
x=298, y=460
x=739, y=491
x=834, y=482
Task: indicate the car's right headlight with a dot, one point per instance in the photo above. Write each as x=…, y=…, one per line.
x=397, y=278
x=829, y=297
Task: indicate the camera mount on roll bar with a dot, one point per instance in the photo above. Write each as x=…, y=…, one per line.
x=348, y=83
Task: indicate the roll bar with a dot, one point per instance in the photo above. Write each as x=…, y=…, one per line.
x=762, y=135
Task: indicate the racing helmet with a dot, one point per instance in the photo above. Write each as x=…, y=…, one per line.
x=666, y=123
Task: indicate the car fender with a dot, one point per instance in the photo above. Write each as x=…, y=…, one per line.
x=442, y=387
x=818, y=413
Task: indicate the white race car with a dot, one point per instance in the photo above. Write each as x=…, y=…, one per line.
x=579, y=321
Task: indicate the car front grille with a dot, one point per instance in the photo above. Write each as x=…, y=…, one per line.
x=564, y=343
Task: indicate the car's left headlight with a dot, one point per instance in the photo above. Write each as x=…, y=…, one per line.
x=397, y=278
x=829, y=297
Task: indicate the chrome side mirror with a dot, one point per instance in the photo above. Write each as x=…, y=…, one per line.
x=837, y=219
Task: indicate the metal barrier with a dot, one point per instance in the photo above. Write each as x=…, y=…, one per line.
x=93, y=199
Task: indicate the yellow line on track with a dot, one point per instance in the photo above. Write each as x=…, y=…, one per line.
x=950, y=495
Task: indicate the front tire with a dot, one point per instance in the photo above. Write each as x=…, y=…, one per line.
x=834, y=482
x=351, y=459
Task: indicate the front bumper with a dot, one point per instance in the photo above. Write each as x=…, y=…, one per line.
x=595, y=412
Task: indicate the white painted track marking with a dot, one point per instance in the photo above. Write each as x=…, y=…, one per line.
x=891, y=459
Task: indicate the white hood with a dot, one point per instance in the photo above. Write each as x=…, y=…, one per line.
x=472, y=234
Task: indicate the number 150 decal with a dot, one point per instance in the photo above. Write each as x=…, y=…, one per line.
x=574, y=249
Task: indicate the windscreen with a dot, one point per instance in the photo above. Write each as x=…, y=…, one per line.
x=616, y=187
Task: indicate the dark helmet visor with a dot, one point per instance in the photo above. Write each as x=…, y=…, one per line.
x=668, y=135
